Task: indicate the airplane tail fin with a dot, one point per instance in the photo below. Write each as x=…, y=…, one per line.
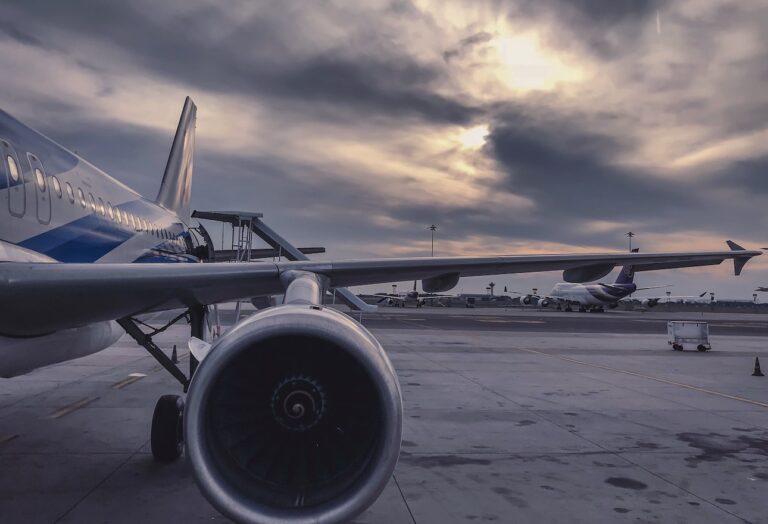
x=627, y=275
x=175, y=189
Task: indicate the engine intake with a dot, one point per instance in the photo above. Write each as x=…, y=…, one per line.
x=295, y=416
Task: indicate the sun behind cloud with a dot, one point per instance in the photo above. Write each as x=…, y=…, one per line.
x=524, y=64
x=474, y=137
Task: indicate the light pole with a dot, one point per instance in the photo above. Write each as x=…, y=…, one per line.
x=432, y=230
x=630, y=235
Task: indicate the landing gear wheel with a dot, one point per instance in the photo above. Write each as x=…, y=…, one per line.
x=167, y=429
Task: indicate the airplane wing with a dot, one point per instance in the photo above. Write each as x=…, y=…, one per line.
x=44, y=297
x=658, y=299
x=652, y=287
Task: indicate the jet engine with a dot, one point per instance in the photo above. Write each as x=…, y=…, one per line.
x=544, y=302
x=294, y=416
x=649, y=302
x=527, y=299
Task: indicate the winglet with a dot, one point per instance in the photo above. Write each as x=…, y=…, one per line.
x=738, y=261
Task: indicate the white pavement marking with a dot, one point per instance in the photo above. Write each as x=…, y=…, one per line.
x=133, y=377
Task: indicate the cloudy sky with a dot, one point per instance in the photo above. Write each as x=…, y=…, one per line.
x=517, y=126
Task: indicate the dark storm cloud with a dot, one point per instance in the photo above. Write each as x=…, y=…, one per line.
x=568, y=169
x=8, y=29
x=749, y=174
x=255, y=57
x=478, y=38
x=574, y=177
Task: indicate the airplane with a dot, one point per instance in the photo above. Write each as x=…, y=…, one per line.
x=411, y=297
x=295, y=413
x=596, y=297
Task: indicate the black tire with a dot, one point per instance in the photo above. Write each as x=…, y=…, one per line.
x=702, y=348
x=677, y=347
x=167, y=430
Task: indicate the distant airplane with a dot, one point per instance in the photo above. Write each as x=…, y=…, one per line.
x=596, y=297
x=763, y=289
x=410, y=297
x=294, y=414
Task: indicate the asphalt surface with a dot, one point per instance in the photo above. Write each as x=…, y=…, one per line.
x=549, y=321
x=543, y=426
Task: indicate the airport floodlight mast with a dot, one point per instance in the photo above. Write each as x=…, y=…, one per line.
x=432, y=230
x=630, y=235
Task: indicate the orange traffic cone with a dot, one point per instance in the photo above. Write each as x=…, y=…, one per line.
x=757, y=372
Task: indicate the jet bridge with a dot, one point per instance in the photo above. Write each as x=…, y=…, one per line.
x=247, y=224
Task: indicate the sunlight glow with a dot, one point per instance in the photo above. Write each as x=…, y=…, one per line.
x=474, y=137
x=525, y=65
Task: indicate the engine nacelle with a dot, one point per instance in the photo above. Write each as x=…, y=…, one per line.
x=527, y=299
x=544, y=302
x=295, y=416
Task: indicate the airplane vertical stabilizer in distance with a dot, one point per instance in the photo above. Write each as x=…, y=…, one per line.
x=176, y=187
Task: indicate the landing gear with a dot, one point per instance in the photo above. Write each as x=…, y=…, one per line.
x=167, y=434
x=167, y=429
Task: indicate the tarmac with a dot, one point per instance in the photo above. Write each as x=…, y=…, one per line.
x=510, y=416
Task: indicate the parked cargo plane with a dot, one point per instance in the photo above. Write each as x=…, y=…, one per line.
x=596, y=297
x=293, y=415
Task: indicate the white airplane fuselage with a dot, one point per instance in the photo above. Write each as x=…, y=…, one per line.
x=591, y=295
x=57, y=207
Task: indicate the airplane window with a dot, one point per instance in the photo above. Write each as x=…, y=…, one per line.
x=56, y=186
x=81, y=196
x=13, y=168
x=70, y=192
x=101, y=207
x=93, y=201
x=40, y=179
x=110, y=211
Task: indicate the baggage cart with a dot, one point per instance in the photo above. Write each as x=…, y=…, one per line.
x=687, y=332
